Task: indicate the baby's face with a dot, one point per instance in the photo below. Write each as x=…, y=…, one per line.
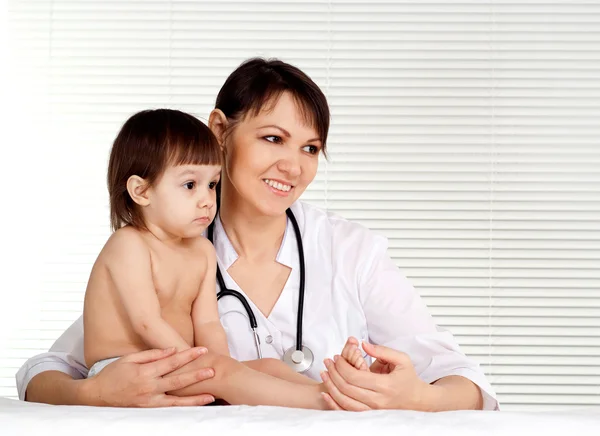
x=183, y=201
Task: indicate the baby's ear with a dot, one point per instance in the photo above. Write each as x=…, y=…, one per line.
x=138, y=190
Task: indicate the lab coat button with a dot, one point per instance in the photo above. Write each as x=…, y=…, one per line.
x=269, y=339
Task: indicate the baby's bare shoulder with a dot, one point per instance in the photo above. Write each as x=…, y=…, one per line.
x=125, y=242
x=121, y=245
x=203, y=247
x=203, y=252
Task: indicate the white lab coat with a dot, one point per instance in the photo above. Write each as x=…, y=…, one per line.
x=352, y=289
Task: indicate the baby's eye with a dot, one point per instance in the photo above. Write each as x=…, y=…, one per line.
x=312, y=149
x=273, y=138
x=189, y=185
x=212, y=185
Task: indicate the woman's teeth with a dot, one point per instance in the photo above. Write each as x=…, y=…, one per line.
x=277, y=185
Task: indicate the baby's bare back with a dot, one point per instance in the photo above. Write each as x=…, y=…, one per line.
x=176, y=273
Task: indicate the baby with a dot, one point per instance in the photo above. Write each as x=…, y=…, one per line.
x=153, y=284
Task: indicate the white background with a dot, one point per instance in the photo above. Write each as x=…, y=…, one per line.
x=466, y=132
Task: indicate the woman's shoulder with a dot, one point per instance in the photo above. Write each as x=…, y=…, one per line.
x=352, y=250
x=326, y=222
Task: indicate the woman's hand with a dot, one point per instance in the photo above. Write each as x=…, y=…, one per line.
x=390, y=383
x=143, y=380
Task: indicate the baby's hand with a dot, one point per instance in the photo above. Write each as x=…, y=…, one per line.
x=353, y=355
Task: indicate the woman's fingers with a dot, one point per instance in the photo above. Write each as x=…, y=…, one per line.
x=172, y=400
x=388, y=355
x=342, y=400
x=174, y=362
x=135, y=380
x=329, y=401
x=171, y=383
x=379, y=367
x=361, y=379
x=148, y=356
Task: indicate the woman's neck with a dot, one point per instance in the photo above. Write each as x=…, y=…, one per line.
x=254, y=237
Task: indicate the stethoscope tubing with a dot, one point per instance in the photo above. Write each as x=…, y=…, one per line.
x=224, y=291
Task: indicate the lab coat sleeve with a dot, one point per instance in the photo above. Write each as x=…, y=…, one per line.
x=398, y=318
x=65, y=355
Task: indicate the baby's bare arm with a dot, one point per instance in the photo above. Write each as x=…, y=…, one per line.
x=128, y=263
x=236, y=383
x=208, y=331
x=278, y=369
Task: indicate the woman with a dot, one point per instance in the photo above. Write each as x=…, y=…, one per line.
x=272, y=122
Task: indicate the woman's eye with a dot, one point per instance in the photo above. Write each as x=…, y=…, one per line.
x=189, y=185
x=212, y=185
x=274, y=139
x=312, y=149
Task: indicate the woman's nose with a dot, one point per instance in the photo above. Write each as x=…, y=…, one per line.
x=290, y=164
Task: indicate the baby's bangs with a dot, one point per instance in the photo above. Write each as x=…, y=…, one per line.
x=194, y=151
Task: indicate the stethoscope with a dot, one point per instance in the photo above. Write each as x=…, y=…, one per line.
x=299, y=358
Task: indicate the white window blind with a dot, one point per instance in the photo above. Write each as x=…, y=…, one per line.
x=466, y=132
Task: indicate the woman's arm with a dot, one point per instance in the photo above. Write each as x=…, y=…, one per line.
x=136, y=380
x=455, y=392
x=58, y=376
x=398, y=319
x=65, y=356
x=55, y=387
x=378, y=387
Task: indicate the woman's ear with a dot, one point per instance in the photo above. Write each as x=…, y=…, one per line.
x=138, y=190
x=217, y=123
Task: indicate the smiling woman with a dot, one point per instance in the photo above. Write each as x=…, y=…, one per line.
x=275, y=149
x=271, y=121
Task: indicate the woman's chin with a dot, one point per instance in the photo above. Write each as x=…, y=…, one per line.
x=273, y=208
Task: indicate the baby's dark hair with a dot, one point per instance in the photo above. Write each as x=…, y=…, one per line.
x=147, y=144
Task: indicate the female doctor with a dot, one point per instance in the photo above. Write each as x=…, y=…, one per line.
x=308, y=289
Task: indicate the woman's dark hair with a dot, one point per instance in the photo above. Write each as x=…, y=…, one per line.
x=258, y=82
x=147, y=144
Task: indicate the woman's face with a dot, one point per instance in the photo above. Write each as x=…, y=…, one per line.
x=271, y=158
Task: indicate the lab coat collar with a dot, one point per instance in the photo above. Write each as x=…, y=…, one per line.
x=227, y=254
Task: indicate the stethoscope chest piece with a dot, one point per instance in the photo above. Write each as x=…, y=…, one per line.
x=299, y=361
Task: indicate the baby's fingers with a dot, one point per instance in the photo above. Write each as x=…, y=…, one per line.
x=358, y=360
x=348, y=350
